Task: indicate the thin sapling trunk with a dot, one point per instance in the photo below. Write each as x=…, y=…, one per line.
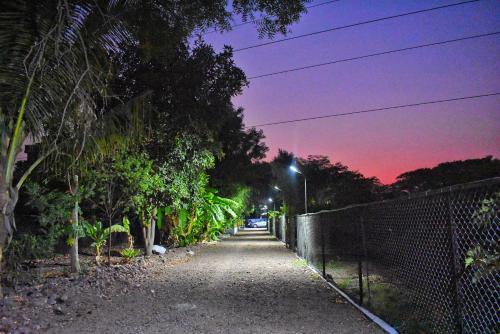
x=75, y=260
x=148, y=231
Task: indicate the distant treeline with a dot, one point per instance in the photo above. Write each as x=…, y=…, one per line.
x=334, y=185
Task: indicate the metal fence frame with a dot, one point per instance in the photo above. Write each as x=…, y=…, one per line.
x=415, y=246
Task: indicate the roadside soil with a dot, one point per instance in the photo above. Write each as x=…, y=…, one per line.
x=249, y=283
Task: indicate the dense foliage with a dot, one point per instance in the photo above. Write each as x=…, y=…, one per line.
x=132, y=129
x=126, y=115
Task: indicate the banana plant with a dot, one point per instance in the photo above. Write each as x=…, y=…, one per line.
x=206, y=219
x=126, y=226
x=99, y=235
x=216, y=213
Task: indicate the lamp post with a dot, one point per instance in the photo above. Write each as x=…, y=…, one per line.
x=274, y=204
x=294, y=169
x=282, y=195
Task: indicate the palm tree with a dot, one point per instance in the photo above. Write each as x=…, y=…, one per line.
x=47, y=77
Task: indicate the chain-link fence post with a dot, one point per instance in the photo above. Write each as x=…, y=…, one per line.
x=322, y=231
x=454, y=267
x=360, y=280
x=365, y=256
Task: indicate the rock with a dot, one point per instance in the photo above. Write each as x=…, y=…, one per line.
x=190, y=252
x=39, y=301
x=62, y=299
x=184, y=307
x=58, y=310
x=157, y=249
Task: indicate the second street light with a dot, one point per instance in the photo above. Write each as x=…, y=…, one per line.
x=271, y=201
x=294, y=169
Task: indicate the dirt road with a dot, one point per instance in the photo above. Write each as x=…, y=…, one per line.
x=249, y=283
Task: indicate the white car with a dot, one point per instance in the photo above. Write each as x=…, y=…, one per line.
x=257, y=222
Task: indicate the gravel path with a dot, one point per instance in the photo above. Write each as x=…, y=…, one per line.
x=249, y=283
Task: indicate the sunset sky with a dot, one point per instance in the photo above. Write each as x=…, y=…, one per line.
x=387, y=143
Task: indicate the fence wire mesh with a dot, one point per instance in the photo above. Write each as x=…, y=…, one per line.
x=405, y=259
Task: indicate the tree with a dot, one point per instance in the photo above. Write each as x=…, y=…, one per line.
x=107, y=194
x=335, y=185
x=44, y=72
x=329, y=185
x=183, y=169
x=448, y=174
x=147, y=187
x=286, y=181
x=240, y=163
x=54, y=55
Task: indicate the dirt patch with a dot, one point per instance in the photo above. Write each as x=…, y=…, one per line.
x=49, y=296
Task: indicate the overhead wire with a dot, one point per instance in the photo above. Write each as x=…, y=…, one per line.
x=416, y=104
x=376, y=54
x=385, y=18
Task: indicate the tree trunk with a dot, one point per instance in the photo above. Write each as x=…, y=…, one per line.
x=148, y=231
x=148, y=247
x=8, y=200
x=109, y=242
x=1, y=261
x=75, y=260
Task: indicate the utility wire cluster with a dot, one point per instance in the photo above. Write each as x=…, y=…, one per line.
x=370, y=55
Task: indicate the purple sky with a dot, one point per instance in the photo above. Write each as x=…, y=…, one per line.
x=382, y=144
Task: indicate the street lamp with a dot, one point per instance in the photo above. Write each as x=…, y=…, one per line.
x=295, y=170
x=282, y=195
x=274, y=204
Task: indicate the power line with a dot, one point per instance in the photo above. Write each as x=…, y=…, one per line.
x=321, y=4
x=353, y=25
x=374, y=55
x=256, y=21
x=376, y=109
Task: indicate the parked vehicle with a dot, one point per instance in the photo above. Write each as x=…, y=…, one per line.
x=256, y=222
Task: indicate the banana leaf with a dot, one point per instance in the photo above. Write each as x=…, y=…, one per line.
x=160, y=214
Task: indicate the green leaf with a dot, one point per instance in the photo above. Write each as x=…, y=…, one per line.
x=115, y=229
x=159, y=217
x=183, y=216
x=126, y=224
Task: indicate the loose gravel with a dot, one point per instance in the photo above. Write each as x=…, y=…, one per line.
x=249, y=283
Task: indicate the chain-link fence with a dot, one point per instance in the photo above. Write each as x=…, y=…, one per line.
x=404, y=259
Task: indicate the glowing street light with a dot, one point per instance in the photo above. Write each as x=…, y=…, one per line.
x=282, y=196
x=294, y=169
x=271, y=201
